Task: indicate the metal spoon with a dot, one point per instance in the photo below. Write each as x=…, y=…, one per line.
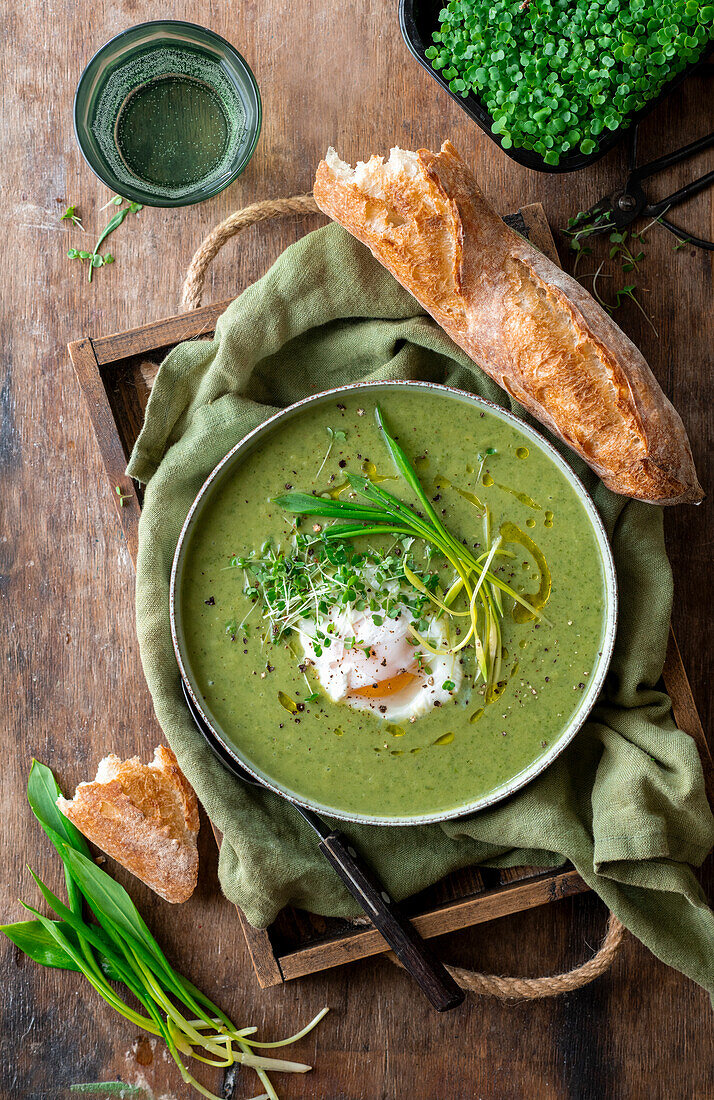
x=413, y=952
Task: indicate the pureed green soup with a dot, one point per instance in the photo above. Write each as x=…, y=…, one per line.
x=331, y=667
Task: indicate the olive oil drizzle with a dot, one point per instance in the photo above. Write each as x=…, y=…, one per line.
x=511, y=533
x=523, y=498
x=444, y=483
x=369, y=470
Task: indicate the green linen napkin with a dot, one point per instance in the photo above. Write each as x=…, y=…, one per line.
x=625, y=802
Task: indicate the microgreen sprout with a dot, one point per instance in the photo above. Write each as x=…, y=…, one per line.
x=115, y=200
x=655, y=221
x=72, y=216
x=682, y=242
x=335, y=437
x=297, y=590
x=95, y=257
x=122, y=495
x=587, y=224
x=596, y=293
x=629, y=292
x=112, y=224
x=619, y=252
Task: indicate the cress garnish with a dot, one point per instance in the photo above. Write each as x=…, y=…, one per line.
x=96, y=259
x=300, y=588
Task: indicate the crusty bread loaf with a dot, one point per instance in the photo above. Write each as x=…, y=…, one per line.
x=535, y=330
x=145, y=816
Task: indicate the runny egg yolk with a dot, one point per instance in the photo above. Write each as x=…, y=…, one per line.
x=375, y=666
x=390, y=686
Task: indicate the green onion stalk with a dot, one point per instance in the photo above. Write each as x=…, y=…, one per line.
x=119, y=948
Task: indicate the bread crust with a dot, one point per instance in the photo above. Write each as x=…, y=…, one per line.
x=528, y=324
x=146, y=817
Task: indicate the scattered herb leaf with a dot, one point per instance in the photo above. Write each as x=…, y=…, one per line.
x=71, y=215
x=112, y=224
x=584, y=224
x=115, y=200
x=334, y=436
x=96, y=259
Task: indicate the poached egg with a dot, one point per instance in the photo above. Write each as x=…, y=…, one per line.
x=376, y=666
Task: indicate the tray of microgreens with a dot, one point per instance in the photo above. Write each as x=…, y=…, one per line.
x=556, y=82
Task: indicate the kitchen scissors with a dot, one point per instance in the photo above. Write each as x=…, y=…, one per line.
x=621, y=208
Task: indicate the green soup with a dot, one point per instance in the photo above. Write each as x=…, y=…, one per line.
x=267, y=702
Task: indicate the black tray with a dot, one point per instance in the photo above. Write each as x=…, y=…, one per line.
x=418, y=19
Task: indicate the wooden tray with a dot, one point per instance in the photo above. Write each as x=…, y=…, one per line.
x=111, y=371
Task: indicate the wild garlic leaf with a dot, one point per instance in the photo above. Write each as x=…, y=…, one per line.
x=43, y=791
x=37, y=943
x=108, y=898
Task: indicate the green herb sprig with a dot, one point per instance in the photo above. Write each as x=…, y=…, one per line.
x=85, y=254
x=72, y=216
x=96, y=259
x=123, y=497
x=584, y=226
x=620, y=250
x=120, y=948
x=335, y=436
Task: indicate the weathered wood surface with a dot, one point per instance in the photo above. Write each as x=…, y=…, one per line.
x=72, y=678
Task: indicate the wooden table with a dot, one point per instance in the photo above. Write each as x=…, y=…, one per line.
x=328, y=74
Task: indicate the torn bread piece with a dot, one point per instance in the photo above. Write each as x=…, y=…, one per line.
x=145, y=816
x=531, y=327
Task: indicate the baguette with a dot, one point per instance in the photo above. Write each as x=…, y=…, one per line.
x=531, y=327
x=145, y=816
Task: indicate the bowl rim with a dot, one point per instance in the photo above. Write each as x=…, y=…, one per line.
x=135, y=194
x=589, y=699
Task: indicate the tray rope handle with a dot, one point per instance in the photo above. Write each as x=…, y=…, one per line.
x=531, y=989
x=493, y=985
x=241, y=219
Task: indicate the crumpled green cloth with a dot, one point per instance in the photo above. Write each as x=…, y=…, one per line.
x=625, y=802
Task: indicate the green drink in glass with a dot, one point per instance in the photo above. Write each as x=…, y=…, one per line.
x=167, y=113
